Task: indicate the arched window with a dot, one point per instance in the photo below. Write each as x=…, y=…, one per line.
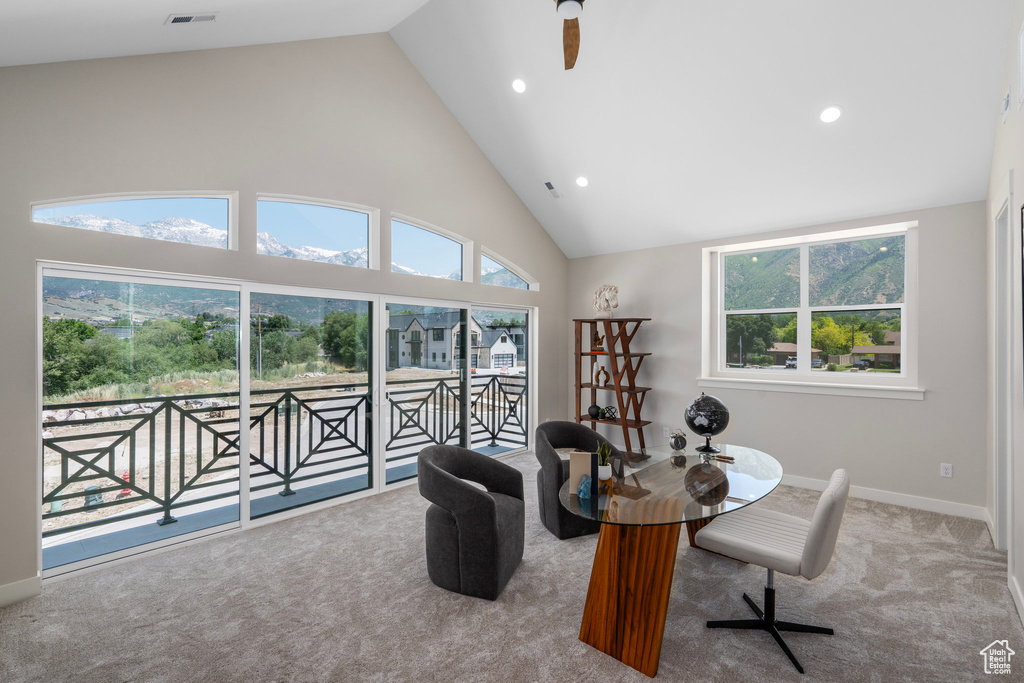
x=205, y=220
x=315, y=230
x=427, y=252
x=494, y=273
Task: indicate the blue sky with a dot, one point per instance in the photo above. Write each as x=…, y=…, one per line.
x=212, y=211
x=425, y=251
x=307, y=225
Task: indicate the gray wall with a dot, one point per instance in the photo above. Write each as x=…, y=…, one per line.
x=886, y=444
x=346, y=119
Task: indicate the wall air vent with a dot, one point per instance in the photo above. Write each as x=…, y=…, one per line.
x=552, y=190
x=191, y=18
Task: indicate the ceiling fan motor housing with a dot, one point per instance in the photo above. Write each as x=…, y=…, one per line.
x=569, y=9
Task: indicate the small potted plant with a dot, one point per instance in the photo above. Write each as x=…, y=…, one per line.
x=604, y=466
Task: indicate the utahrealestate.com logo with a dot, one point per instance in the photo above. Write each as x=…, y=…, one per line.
x=997, y=657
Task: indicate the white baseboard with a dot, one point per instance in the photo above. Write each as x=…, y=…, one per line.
x=20, y=590
x=905, y=499
x=1018, y=595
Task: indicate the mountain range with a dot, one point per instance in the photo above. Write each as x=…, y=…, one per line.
x=188, y=231
x=859, y=272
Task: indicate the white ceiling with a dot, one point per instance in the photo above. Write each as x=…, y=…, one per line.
x=696, y=119
x=692, y=119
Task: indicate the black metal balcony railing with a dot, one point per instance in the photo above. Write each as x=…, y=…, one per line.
x=106, y=461
x=299, y=435
x=170, y=452
x=498, y=410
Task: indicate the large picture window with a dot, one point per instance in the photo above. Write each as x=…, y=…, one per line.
x=829, y=308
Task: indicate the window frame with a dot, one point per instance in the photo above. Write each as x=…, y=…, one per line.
x=716, y=374
x=230, y=195
x=372, y=214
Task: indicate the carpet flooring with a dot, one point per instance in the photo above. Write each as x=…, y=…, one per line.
x=342, y=595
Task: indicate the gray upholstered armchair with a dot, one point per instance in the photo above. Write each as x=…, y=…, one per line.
x=475, y=538
x=554, y=471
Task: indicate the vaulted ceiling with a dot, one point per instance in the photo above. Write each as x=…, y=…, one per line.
x=692, y=120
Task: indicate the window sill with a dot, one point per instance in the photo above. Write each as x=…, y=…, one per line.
x=798, y=387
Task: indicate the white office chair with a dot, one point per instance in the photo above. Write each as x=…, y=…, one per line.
x=779, y=542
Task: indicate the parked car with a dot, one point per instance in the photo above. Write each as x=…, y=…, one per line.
x=815, y=362
x=791, y=362
x=863, y=364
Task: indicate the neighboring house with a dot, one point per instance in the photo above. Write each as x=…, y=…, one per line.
x=432, y=340
x=780, y=351
x=889, y=352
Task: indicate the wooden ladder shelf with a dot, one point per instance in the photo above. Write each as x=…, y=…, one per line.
x=622, y=365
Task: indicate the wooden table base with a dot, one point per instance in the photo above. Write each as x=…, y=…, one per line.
x=629, y=591
x=693, y=527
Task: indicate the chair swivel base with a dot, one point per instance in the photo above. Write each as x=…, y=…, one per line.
x=766, y=622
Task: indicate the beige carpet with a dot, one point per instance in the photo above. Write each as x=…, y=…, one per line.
x=343, y=595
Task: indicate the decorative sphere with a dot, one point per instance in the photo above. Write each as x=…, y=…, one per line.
x=706, y=484
x=707, y=416
x=594, y=411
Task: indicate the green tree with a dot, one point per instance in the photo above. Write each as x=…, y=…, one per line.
x=226, y=347
x=742, y=330
x=788, y=333
x=344, y=338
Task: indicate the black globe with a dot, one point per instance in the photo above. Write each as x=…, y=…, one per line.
x=707, y=417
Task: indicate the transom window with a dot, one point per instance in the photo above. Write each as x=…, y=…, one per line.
x=200, y=220
x=418, y=251
x=311, y=231
x=833, y=308
x=493, y=273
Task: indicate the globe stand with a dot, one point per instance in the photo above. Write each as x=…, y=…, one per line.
x=708, y=448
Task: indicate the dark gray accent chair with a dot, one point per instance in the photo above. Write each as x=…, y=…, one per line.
x=554, y=471
x=475, y=538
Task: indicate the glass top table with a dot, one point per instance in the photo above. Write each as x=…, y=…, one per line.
x=649, y=501
x=670, y=487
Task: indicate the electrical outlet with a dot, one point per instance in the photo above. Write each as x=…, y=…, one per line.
x=665, y=433
x=946, y=470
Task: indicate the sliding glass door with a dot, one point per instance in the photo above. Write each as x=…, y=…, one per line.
x=140, y=413
x=311, y=390
x=424, y=391
x=499, y=378
x=143, y=402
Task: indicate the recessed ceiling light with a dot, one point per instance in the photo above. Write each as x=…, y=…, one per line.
x=519, y=85
x=831, y=113
x=582, y=182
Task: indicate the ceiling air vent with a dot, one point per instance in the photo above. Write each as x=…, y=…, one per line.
x=191, y=18
x=552, y=190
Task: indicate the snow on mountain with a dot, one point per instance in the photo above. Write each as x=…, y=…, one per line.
x=268, y=244
x=189, y=231
x=168, y=229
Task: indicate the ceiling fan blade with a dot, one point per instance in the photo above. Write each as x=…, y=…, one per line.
x=570, y=41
